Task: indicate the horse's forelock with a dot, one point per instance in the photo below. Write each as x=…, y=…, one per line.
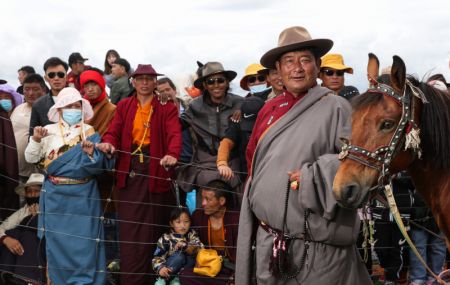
x=366, y=100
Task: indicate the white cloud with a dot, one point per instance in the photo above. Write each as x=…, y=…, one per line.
x=172, y=35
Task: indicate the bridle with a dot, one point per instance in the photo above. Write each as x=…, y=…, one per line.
x=382, y=157
x=406, y=134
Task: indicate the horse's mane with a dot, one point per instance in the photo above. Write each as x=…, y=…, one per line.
x=435, y=125
x=434, y=120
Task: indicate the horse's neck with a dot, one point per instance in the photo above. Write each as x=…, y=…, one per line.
x=434, y=187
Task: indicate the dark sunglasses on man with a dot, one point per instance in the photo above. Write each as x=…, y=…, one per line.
x=218, y=80
x=60, y=74
x=330, y=72
x=253, y=79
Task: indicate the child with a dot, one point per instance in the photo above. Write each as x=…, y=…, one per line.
x=176, y=249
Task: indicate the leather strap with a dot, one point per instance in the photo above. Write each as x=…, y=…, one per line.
x=396, y=214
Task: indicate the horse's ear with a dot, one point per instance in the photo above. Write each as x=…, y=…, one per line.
x=373, y=68
x=398, y=74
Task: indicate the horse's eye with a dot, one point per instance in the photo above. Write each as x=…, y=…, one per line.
x=387, y=125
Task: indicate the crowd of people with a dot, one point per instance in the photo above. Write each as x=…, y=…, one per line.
x=145, y=185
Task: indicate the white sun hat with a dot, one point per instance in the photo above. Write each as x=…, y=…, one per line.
x=67, y=96
x=35, y=179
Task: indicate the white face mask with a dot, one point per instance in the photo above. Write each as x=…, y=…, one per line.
x=259, y=88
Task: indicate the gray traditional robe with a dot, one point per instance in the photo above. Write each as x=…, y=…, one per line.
x=305, y=138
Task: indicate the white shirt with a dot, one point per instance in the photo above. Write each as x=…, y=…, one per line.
x=14, y=220
x=20, y=119
x=58, y=136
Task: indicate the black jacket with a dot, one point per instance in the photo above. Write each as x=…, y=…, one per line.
x=39, y=112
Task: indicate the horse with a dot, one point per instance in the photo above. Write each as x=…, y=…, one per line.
x=398, y=124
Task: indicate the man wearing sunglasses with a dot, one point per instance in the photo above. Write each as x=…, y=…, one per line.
x=209, y=116
x=255, y=81
x=55, y=74
x=332, y=72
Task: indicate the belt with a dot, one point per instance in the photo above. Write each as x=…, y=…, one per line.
x=58, y=180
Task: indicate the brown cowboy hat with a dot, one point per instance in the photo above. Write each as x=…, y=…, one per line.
x=211, y=68
x=295, y=38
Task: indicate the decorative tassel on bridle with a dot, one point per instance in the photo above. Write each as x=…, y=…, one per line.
x=412, y=140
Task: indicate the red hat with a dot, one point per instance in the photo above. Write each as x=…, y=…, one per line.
x=92, y=75
x=143, y=69
x=95, y=76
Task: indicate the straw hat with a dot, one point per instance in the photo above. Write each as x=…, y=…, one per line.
x=252, y=69
x=35, y=179
x=292, y=39
x=66, y=97
x=335, y=61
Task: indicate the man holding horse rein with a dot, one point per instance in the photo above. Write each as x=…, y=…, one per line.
x=292, y=220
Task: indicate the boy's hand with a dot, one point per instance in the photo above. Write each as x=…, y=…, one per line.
x=165, y=272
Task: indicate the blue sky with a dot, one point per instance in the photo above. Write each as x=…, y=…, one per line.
x=172, y=35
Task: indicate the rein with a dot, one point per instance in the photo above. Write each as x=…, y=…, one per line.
x=407, y=134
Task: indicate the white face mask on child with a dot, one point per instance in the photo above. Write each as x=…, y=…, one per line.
x=71, y=116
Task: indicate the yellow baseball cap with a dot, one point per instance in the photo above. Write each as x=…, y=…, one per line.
x=252, y=69
x=335, y=61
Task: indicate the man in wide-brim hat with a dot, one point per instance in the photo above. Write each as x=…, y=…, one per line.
x=147, y=137
x=19, y=244
x=301, y=235
x=208, y=116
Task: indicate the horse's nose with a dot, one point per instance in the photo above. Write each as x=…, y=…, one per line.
x=349, y=195
x=349, y=191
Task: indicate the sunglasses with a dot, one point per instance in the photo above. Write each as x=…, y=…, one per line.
x=329, y=72
x=253, y=79
x=218, y=80
x=60, y=74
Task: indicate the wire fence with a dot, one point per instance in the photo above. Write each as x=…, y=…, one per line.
x=97, y=239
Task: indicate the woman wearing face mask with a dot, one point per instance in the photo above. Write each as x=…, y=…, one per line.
x=70, y=205
x=9, y=168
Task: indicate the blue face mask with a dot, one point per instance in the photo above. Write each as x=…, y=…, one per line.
x=71, y=116
x=258, y=88
x=6, y=104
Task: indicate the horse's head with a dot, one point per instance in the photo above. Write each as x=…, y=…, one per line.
x=381, y=117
